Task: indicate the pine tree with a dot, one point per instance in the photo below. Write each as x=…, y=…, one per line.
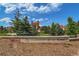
x=21, y=26
x=77, y=27
x=56, y=30
x=71, y=27
x=53, y=29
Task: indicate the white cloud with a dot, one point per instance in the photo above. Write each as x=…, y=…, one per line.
x=6, y=20
x=43, y=9
x=31, y=7
x=40, y=19
x=9, y=7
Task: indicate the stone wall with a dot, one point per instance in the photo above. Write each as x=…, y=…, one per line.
x=35, y=39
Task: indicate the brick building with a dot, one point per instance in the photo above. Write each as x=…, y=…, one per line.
x=36, y=25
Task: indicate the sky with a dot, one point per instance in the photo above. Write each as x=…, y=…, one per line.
x=46, y=13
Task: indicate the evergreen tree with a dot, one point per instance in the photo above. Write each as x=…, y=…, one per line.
x=21, y=26
x=26, y=25
x=77, y=27
x=59, y=30
x=45, y=29
x=71, y=27
x=53, y=29
x=56, y=29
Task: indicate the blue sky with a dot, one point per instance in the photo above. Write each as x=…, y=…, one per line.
x=46, y=13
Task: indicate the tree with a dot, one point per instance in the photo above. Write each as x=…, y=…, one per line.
x=59, y=30
x=3, y=31
x=77, y=27
x=71, y=27
x=53, y=29
x=21, y=26
x=45, y=29
x=16, y=21
x=26, y=25
x=56, y=30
